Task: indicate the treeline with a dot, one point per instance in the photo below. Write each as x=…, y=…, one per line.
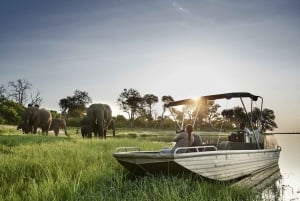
x=13, y=98
x=139, y=108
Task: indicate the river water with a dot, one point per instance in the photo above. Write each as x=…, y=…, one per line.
x=288, y=187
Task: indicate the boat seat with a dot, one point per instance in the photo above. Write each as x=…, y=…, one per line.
x=237, y=136
x=227, y=145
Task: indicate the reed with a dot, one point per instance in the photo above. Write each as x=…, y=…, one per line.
x=36, y=167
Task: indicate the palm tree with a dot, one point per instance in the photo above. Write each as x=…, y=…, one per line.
x=150, y=100
x=165, y=99
x=268, y=122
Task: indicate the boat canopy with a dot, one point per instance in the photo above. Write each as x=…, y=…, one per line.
x=213, y=97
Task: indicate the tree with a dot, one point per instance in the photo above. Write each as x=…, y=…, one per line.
x=11, y=112
x=130, y=102
x=65, y=104
x=228, y=115
x=204, y=109
x=36, y=99
x=2, y=93
x=213, y=115
x=74, y=106
x=236, y=116
x=265, y=117
x=239, y=115
x=19, y=90
x=165, y=99
x=150, y=100
x=268, y=121
x=160, y=119
x=256, y=117
x=121, y=121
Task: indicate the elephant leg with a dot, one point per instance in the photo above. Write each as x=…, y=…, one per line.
x=101, y=131
x=56, y=131
x=98, y=133
x=83, y=132
x=90, y=132
x=34, y=129
x=31, y=128
x=45, y=130
x=95, y=131
x=66, y=133
x=114, y=133
x=104, y=133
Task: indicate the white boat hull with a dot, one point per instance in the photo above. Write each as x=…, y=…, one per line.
x=228, y=165
x=223, y=165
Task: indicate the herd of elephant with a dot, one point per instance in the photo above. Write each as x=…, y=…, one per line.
x=97, y=121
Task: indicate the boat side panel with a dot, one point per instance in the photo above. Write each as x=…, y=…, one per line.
x=166, y=168
x=229, y=166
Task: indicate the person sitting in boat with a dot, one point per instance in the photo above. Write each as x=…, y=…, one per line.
x=246, y=131
x=184, y=139
x=197, y=140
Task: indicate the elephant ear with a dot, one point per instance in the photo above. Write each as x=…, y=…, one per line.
x=28, y=114
x=35, y=113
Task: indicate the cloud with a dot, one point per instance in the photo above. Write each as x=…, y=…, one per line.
x=179, y=8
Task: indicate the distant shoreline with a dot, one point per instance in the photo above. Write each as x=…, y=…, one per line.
x=293, y=133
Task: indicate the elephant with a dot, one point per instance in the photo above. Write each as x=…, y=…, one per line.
x=21, y=126
x=56, y=124
x=112, y=126
x=86, y=131
x=34, y=118
x=99, y=116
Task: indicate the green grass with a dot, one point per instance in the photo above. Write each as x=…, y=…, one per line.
x=37, y=167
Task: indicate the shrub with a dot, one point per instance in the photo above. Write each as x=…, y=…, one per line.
x=11, y=112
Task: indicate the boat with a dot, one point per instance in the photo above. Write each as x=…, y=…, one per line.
x=236, y=157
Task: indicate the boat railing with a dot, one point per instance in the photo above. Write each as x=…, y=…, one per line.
x=195, y=149
x=126, y=149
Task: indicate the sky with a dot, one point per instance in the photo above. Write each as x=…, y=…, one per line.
x=182, y=48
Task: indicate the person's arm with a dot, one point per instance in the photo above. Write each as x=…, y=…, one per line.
x=247, y=130
x=178, y=137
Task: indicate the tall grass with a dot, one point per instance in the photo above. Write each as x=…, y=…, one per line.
x=36, y=167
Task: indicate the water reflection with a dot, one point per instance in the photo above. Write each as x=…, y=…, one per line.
x=264, y=182
x=289, y=164
x=274, y=192
x=279, y=191
x=287, y=186
x=271, y=184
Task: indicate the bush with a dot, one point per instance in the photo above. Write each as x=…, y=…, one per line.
x=121, y=121
x=73, y=121
x=11, y=112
